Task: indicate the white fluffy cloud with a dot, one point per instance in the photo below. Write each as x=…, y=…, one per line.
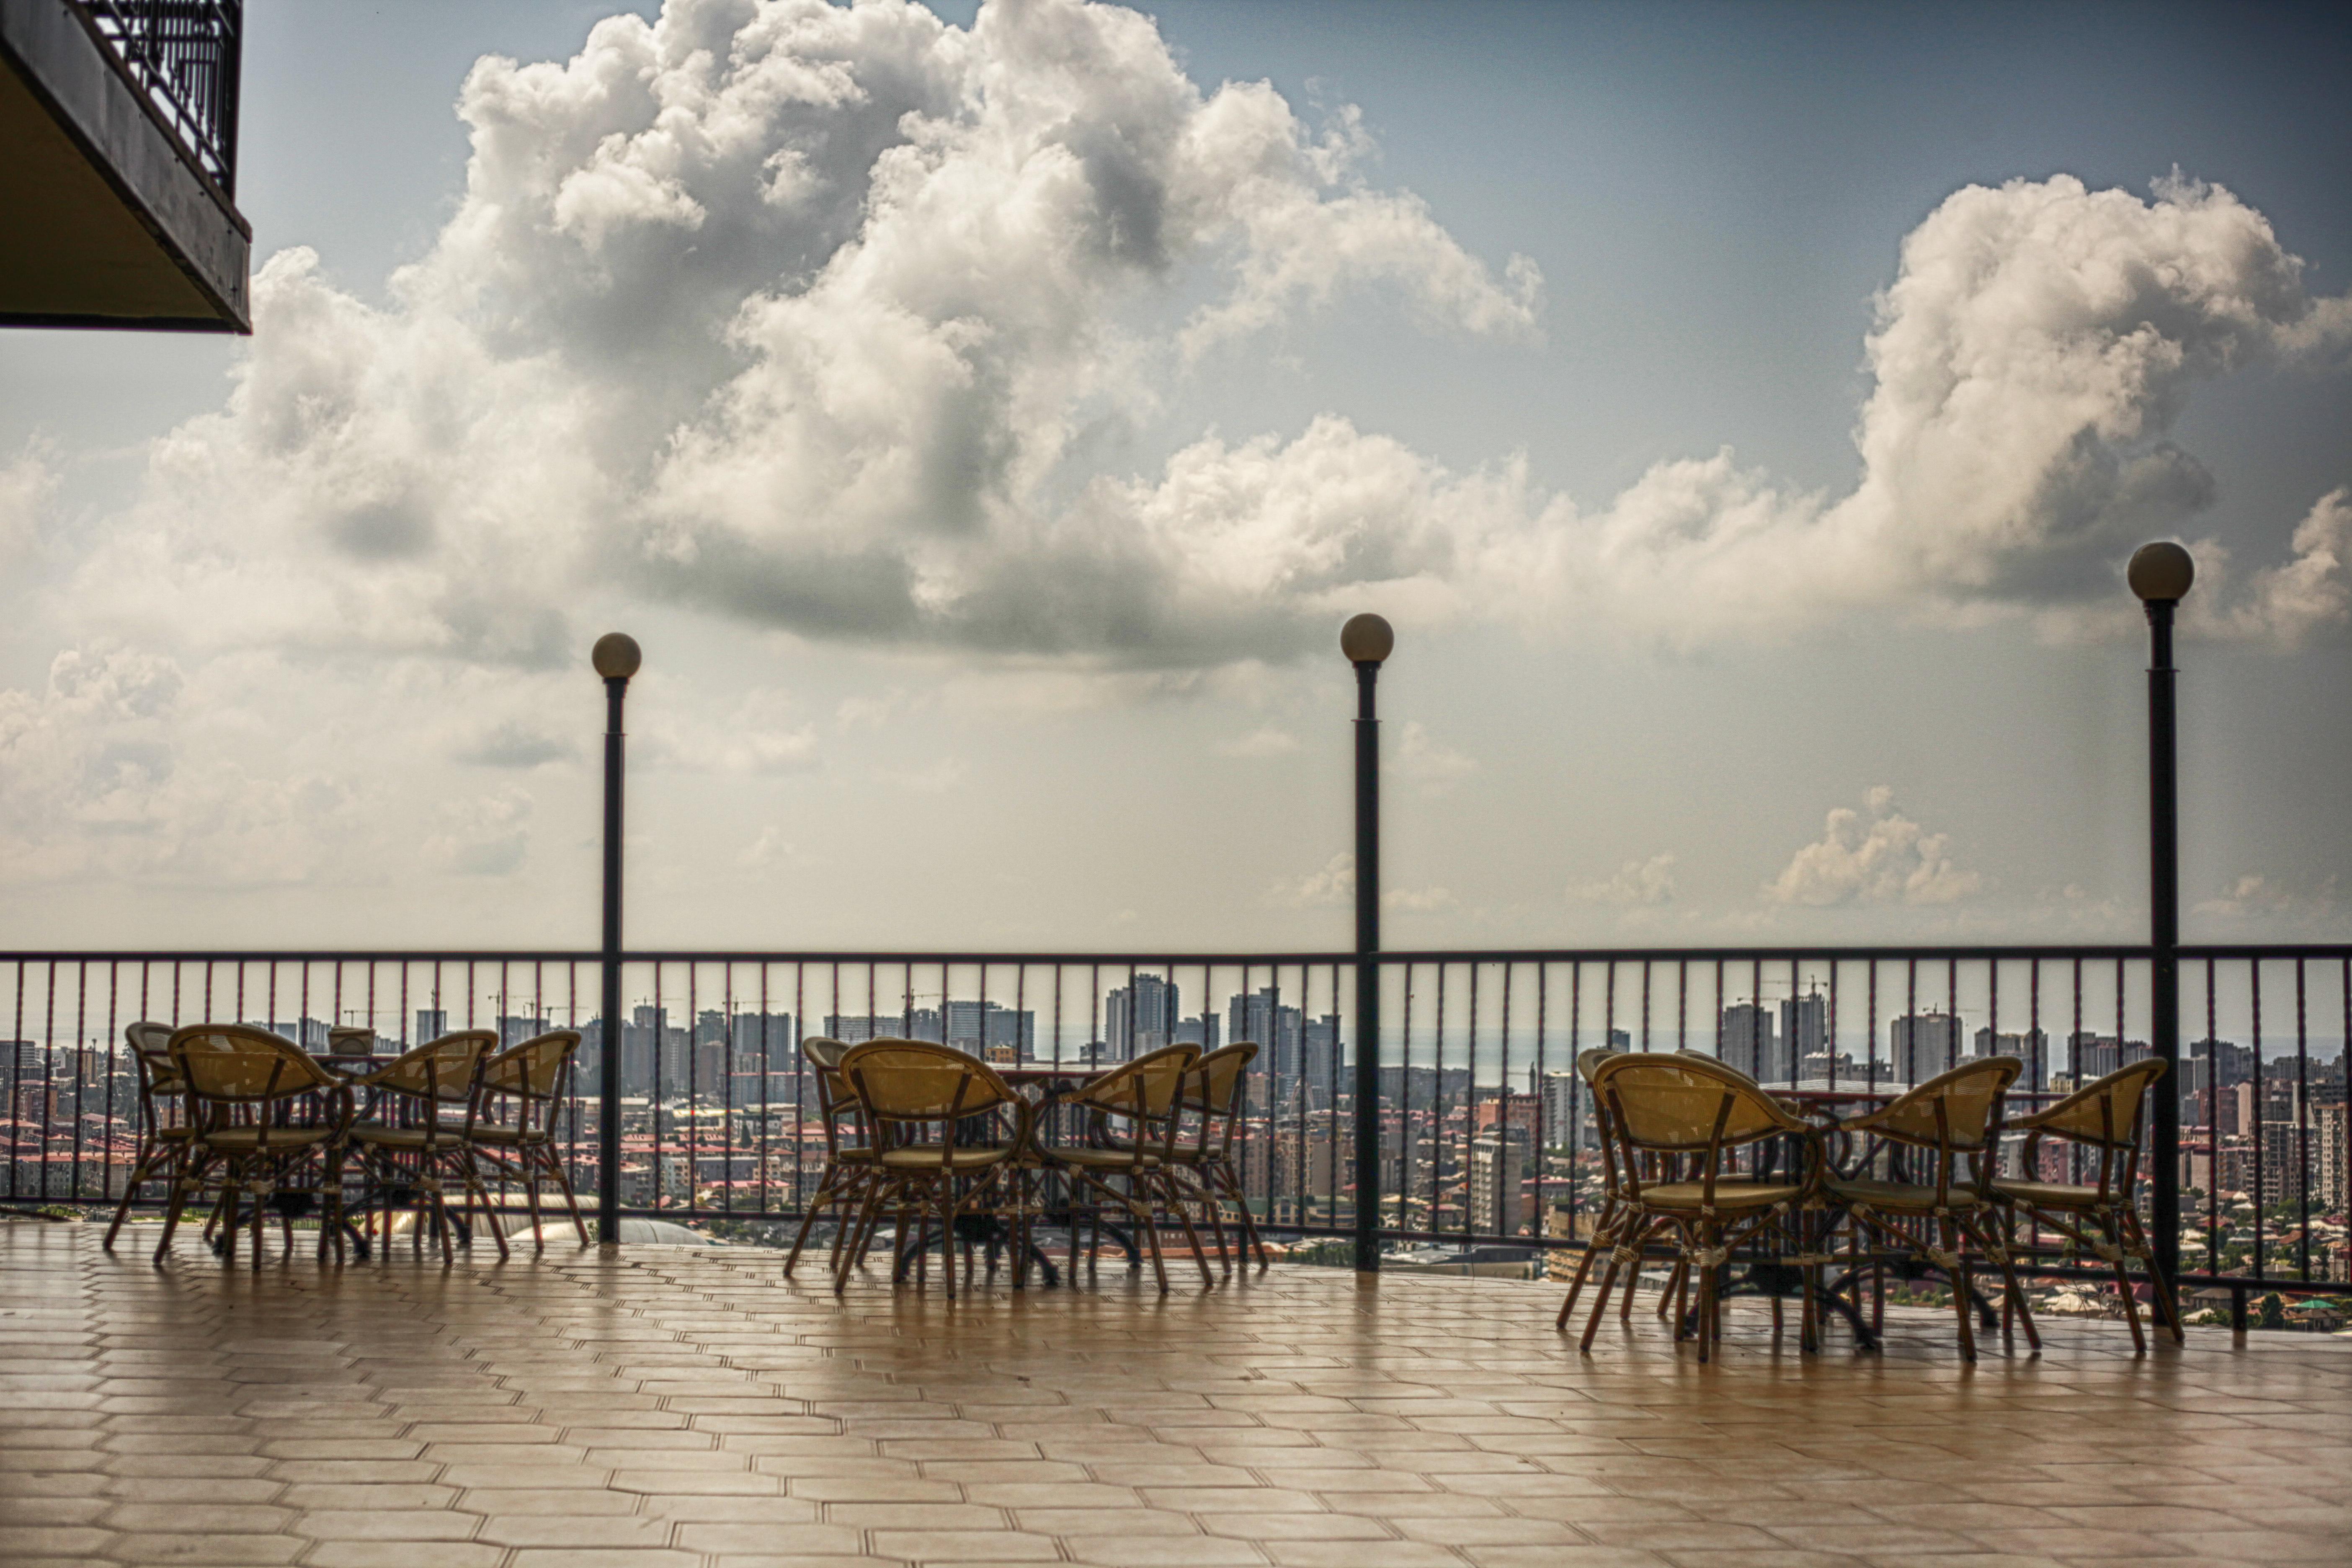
x=1650, y=881
x=799, y=313
x=1876, y=856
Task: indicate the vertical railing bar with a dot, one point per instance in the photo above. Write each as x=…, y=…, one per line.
x=2303, y=1130
x=2255, y=966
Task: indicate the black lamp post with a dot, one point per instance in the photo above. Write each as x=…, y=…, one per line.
x=1366, y=640
x=616, y=657
x=2161, y=574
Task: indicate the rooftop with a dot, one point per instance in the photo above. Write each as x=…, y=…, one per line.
x=653, y=1406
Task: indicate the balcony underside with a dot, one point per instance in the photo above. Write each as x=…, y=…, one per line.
x=109, y=222
x=682, y=1407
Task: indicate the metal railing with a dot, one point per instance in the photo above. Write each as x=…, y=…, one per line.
x=184, y=56
x=1485, y=1138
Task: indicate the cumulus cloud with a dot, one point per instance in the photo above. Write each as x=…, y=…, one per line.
x=100, y=776
x=1876, y=856
x=808, y=315
x=1650, y=881
x=27, y=484
x=1334, y=882
x=2253, y=896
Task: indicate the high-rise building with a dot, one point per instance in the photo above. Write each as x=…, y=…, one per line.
x=2030, y=1046
x=1141, y=1018
x=1567, y=1111
x=2093, y=1056
x=1921, y=1045
x=431, y=1023
x=1200, y=1031
x=1804, y=1032
x=1749, y=1043
x=1497, y=1166
x=1260, y=1015
x=975, y=1026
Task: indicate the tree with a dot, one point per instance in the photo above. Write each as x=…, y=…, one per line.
x=2272, y=1314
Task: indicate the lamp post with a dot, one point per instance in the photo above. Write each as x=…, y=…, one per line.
x=1367, y=639
x=616, y=657
x=2161, y=574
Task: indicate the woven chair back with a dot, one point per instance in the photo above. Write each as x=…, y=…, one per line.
x=2106, y=1113
x=1967, y=1094
x=1676, y=1104
x=1215, y=1085
x=532, y=1069
x=238, y=1064
x=1147, y=1087
x=1588, y=1062
x=151, y=1052
x=915, y=1080
x=440, y=1070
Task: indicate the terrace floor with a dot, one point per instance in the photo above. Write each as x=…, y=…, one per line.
x=675, y=1405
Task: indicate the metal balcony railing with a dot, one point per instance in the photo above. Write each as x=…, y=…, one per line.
x=184, y=55
x=1485, y=1128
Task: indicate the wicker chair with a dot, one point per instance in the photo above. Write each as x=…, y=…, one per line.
x=848, y=1165
x=1144, y=1098
x=2103, y=1116
x=163, y=1128
x=1699, y=1114
x=1953, y=1120
x=919, y=1101
x=1214, y=1096
x=529, y=1077
x=414, y=1152
x=240, y=1085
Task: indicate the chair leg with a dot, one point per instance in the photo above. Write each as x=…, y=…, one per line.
x=2012, y=1292
x=819, y=1201
x=2160, y=1289
x=2115, y=1233
x=1961, y=1304
x=1576, y=1282
x=141, y=1173
x=1599, y=1303
x=1191, y=1237
x=563, y=1186
x=1708, y=1235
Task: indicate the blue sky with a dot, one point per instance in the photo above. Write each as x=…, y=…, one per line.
x=1712, y=196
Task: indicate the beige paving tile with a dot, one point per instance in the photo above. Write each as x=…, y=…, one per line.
x=689, y=1407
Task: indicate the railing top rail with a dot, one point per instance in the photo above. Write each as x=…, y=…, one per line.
x=1821, y=952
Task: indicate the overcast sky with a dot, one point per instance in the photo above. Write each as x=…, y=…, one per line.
x=985, y=422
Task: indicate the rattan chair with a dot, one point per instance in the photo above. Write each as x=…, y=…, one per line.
x=2104, y=1116
x=240, y=1086
x=527, y=1078
x=1133, y=1116
x=163, y=1129
x=1953, y=1122
x=922, y=1103
x=848, y=1161
x=1699, y=1114
x=1612, y=1205
x=1214, y=1096
x=428, y=1102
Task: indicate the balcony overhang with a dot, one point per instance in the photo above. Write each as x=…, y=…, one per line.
x=112, y=223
